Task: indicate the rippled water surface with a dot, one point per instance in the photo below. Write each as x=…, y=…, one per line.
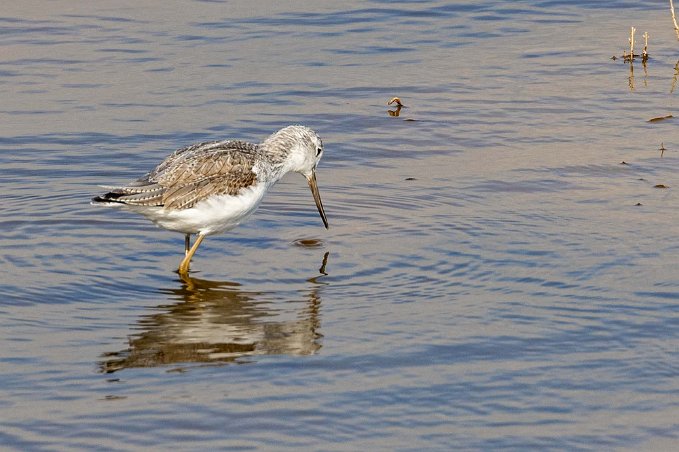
x=494, y=275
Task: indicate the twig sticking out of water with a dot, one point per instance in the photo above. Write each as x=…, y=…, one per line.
x=674, y=79
x=631, y=42
x=674, y=19
x=628, y=58
x=631, y=55
x=644, y=54
x=397, y=101
x=399, y=105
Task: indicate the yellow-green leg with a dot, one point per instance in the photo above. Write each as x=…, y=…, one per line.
x=184, y=265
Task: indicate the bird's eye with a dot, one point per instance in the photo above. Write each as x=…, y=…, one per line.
x=318, y=151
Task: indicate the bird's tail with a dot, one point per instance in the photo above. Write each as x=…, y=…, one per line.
x=148, y=195
x=107, y=199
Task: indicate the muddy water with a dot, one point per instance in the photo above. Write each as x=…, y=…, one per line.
x=493, y=277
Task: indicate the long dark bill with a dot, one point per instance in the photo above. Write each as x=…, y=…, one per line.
x=317, y=197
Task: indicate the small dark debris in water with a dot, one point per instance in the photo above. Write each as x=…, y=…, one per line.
x=114, y=397
x=660, y=186
x=410, y=119
x=324, y=264
x=614, y=58
x=624, y=163
x=662, y=149
x=397, y=101
x=113, y=380
x=660, y=118
x=410, y=178
x=641, y=178
x=309, y=243
x=638, y=204
x=628, y=58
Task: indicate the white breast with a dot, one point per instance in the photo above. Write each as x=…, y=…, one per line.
x=213, y=215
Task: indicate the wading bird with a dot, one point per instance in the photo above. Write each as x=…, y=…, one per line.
x=213, y=187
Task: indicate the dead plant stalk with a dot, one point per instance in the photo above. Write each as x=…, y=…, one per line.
x=674, y=19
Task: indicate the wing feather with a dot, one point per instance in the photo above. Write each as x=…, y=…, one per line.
x=190, y=175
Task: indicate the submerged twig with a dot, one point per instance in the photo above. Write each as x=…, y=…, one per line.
x=660, y=118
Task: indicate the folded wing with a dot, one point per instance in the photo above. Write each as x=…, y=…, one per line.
x=190, y=175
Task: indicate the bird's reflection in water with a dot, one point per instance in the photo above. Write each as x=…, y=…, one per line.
x=218, y=322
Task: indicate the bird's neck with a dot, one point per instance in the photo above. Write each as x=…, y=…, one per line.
x=274, y=169
x=278, y=151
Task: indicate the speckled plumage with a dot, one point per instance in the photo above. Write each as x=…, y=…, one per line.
x=212, y=187
x=191, y=174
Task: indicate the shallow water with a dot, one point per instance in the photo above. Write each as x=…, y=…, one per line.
x=493, y=277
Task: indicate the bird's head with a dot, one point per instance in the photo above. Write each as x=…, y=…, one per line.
x=302, y=149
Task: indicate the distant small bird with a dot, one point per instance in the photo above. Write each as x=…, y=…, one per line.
x=213, y=187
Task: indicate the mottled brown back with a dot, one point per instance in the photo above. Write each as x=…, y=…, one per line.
x=190, y=175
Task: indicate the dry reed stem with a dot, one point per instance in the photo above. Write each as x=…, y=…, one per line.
x=631, y=42
x=674, y=19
